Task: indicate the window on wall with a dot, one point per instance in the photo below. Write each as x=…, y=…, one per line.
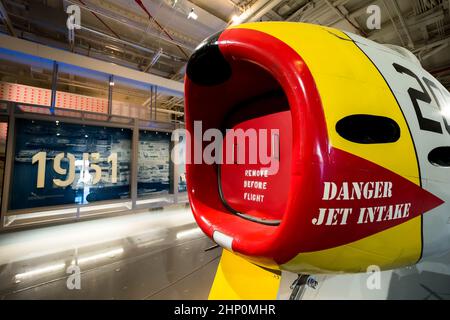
x=25, y=78
x=153, y=163
x=81, y=89
x=59, y=163
x=28, y=71
x=131, y=98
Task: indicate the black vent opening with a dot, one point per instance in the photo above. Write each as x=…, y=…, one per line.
x=368, y=129
x=207, y=66
x=440, y=156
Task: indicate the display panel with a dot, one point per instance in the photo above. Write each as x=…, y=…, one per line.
x=3, y=139
x=182, y=164
x=153, y=163
x=58, y=163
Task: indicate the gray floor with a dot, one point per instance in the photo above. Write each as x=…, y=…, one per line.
x=150, y=255
x=161, y=255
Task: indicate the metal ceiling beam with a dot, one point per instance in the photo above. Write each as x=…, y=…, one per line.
x=433, y=51
x=152, y=19
x=403, y=23
x=432, y=48
x=265, y=9
x=93, y=51
x=274, y=16
x=101, y=21
x=6, y=20
x=131, y=24
x=125, y=42
x=170, y=87
x=130, y=15
x=247, y=14
x=105, y=37
x=167, y=61
x=393, y=23
x=362, y=8
x=300, y=11
x=415, y=24
x=345, y=17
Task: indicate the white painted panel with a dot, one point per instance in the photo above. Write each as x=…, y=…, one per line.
x=223, y=240
x=436, y=226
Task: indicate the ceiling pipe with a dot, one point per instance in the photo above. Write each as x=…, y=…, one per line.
x=101, y=21
x=235, y=5
x=442, y=69
x=6, y=20
x=147, y=102
x=264, y=10
x=178, y=113
x=433, y=51
x=300, y=11
x=339, y=13
x=99, y=54
x=431, y=45
x=247, y=14
x=154, y=59
x=316, y=12
x=131, y=25
x=403, y=23
x=151, y=18
x=393, y=23
x=133, y=53
x=124, y=42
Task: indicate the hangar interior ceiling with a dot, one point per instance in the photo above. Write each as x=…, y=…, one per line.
x=157, y=36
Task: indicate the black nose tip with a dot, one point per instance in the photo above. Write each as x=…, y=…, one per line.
x=207, y=66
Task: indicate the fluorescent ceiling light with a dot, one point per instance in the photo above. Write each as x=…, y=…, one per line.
x=235, y=19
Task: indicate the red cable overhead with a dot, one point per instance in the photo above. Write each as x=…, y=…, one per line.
x=95, y=15
x=139, y=2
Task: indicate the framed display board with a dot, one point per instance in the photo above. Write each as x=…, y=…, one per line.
x=57, y=163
